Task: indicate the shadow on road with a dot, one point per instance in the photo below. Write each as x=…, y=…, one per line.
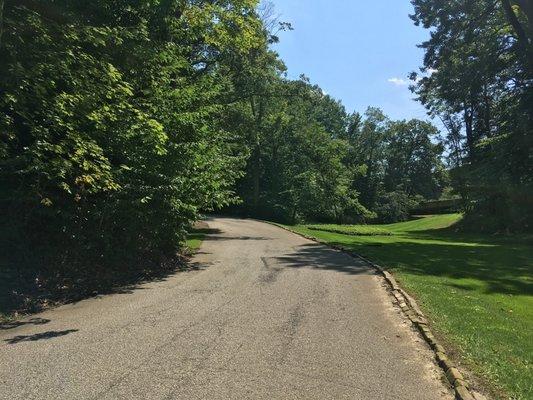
x=38, y=336
x=18, y=292
x=222, y=238
x=15, y=324
x=322, y=257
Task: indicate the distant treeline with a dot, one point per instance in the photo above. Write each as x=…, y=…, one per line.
x=314, y=162
x=121, y=122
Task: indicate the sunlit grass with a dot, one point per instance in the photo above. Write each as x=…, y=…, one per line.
x=476, y=289
x=196, y=236
x=194, y=241
x=355, y=230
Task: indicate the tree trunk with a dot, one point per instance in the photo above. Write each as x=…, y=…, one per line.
x=1, y=20
x=256, y=176
x=469, y=130
x=524, y=34
x=257, y=112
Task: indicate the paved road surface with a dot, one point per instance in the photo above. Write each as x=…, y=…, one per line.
x=271, y=316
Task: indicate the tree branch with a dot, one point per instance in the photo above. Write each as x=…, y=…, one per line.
x=1, y=20
x=524, y=42
x=513, y=20
x=48, y=11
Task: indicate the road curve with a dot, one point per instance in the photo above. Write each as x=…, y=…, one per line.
x=267, y=315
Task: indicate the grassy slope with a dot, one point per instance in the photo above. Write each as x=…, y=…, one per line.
x=476, y=289
x=357, y=230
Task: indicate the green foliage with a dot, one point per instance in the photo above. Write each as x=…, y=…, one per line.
x=297, y=169
x=401, y=164
x=121, y=122
x=310, y=160
x=112, y=133
x=478, y=78
x=413, y=159
x=395, y=206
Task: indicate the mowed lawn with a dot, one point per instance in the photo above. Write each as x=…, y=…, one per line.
x=477, y=290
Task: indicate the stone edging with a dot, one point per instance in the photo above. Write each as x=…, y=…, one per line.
x=411, y=309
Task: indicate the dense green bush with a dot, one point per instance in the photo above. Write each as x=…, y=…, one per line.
x=396, y=206
x=111, y=134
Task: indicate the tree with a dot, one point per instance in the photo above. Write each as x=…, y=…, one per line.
x=478, y=80
x=112, y=129
x=369, y=150
x=413, y=161
x=301, y=173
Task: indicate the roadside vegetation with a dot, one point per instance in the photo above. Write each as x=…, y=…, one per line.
x=196, y=236
x=194, y=240
x=122, y=122
x=356, y=230
x=477, y=290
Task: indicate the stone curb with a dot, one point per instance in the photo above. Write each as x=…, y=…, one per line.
x=411, y=309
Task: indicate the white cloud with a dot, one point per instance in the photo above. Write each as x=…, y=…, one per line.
x=431, y=71
x=397, y=81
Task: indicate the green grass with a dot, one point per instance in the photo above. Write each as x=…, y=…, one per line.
x=355, y=230
x=196, y=236
x=476, y=289
x=194, y=241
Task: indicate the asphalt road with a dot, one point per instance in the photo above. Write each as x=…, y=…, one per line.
x=268, y=315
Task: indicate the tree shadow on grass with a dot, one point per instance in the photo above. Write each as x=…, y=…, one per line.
x=452, y=234
x=503, y=268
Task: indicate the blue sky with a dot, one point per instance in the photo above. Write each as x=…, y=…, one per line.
x=359, y=52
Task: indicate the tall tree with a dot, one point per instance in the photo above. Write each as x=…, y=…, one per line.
x=369, y=150
x=478, y=79
x=413, y=160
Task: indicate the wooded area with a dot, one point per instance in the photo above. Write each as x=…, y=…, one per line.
x=481, y=56
x=121, y=122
